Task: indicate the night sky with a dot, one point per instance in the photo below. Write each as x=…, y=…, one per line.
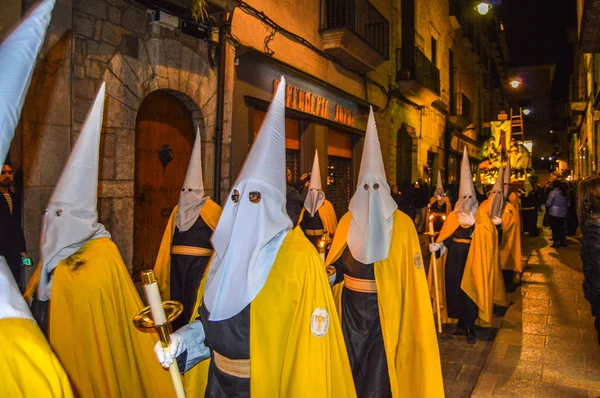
x=536, y=32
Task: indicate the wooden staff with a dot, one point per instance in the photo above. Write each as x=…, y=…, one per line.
x=435, y=279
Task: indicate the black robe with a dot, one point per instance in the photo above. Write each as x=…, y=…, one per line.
x=438, y=223
x=362, y=331
x=312, y=223
x=231, y=339
x=530, y=214
x=187, y=270
x=460, y=305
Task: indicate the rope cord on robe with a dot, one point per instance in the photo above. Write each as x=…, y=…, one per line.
x=360, y=285
x=191, y=251
x=234, y=367
x=459, y=240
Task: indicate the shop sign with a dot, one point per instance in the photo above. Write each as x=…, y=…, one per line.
x=308, y=102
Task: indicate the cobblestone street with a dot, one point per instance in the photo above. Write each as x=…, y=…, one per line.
x=544, y=346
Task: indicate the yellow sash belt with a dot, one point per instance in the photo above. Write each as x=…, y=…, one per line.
x=191, y=251
x=459, y=240
x=314, y=232
x=234, y=367
x=360, y=285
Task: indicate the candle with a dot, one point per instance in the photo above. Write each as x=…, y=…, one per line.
x=155, y=302
x=431, y=226
x=322, y=255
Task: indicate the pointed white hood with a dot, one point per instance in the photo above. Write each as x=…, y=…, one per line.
x=71, y=218
x=18, y=54
x=192, y=196
x=315, y=197
x=497, y=196
x=507, y=180
x=439, y=187
x=12, y=304
x=250, y=233
x=372, y=206
x=467, y=202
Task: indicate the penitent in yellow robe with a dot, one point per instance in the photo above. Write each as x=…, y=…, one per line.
x=210, y=213
x=91, y=330
x=327, y=214
x=482, y=280
x=28, y=367
x=510, y=245
x=287, y=356
x=409, y=335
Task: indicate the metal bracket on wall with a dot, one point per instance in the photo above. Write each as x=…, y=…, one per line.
x=165, y=155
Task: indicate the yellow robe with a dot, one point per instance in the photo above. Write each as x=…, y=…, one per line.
x=327, y=214
x=28, y=367
x=91, y=330
x=513, y=199
x=287, y=359
x=482, y=280
x=409, y=336
x=510, y=245
x=210, y=213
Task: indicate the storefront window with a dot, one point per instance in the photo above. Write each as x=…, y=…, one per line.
x=339, y=176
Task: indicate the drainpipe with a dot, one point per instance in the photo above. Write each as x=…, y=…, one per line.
x=218, y=138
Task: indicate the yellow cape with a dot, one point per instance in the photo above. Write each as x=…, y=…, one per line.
x=510, y=246
x=91, y=329
x=482, y=280
x=287, y=358
x=513, y=199
x=409, y=336
x=446, y=200
x=327, y=214
x=28, y=367
x=210, y=213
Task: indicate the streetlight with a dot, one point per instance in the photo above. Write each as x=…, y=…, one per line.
x=526, y=111
x=483, y=8
x=514, y=84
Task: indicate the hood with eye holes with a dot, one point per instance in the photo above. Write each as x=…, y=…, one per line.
x=192, y=196
x=371, y=206
x=71, y=218
x=250, y=233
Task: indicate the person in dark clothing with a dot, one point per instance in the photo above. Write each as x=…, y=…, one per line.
x=421, y=195
x=294, y=199
x=529, y=209
x=556, y=207
x=572, y=221
x=12, y=238
x=588, y=209
x=406, y=200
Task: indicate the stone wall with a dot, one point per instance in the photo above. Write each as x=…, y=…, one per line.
x=112, y=41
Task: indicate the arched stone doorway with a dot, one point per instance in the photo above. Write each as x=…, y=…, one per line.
x=403, y=156
x=164, y=137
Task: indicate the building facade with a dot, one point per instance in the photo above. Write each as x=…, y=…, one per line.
x=433, y=71
x=584, y=93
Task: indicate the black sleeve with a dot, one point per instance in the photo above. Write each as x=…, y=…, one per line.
x=590, y=256
x=339, y=270
x=18, y=230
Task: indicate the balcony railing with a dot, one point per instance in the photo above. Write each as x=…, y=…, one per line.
x=360, y=17
x=460, y=105
x=414, y=65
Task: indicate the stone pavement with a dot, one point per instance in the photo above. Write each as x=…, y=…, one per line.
x=546, y=345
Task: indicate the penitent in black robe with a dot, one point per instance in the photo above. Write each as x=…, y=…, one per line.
x=529, y=205
x=312, y=223
x=460, y=305
x=362, y=331
x=187, y=270
x=438, y=223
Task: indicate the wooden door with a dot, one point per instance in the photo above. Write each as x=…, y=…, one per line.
x=164, y=138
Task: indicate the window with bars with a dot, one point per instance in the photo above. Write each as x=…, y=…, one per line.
x=339, y=184
x=292, y=162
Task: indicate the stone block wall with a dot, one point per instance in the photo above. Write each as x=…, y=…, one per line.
x=110, y=41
